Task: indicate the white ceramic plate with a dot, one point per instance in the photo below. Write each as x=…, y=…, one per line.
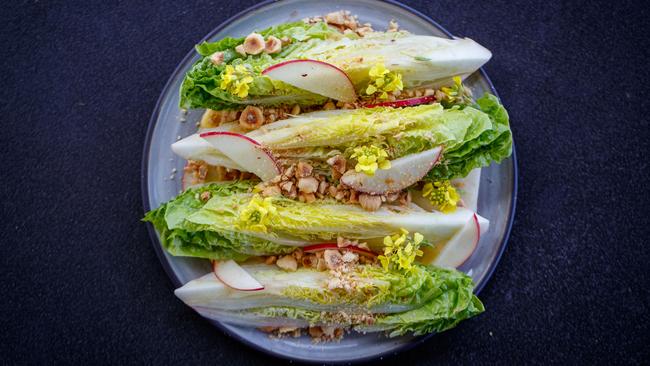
x=496, y=199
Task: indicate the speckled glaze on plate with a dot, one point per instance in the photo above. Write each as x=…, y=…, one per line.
x=496, y=199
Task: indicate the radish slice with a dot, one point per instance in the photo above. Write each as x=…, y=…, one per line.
x=246, y=152
x=194, y=147
x=314, y=76
x=403, y=172
x=404, y=102
x=461, y=246
x=324, y=246
x=235, y=277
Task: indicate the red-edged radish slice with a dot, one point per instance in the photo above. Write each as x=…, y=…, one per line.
x=324, y=246
x=403, y=172
x=245, y=152
x=404, y=102
x=193, y=147
x=460, y=246
x=235, y=277
x=314, y=76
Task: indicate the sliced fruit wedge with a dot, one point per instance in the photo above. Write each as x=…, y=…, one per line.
x=325, y=246
x=468, y=188
x=404, y=102
x=403, y=172
x=193, y=147
x=460, y=246
x=245, y=151
x=314, y=76
x=235, y=277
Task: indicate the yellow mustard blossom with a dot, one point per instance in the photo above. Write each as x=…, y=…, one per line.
x=454, y=92
x=442, y=194
x=256, y=215
x=236, y=80
x=370, y=158
x=400, y=251
x=383, y=81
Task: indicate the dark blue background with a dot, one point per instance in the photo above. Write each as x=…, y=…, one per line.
x=81, y=283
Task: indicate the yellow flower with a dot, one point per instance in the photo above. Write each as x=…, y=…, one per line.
x=400, y=251
x=236, y=80
x=442, y=195
x=370, y=158
x=257, y=213
x=383, y=81
x=378, y=71
x=455, y=91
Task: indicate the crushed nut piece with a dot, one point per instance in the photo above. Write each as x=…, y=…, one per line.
x=333, y=258
x=212, y=118
x=287, y=263
x=272, y=45
x=254, y=44
x=329, y=106
x=251, y=118
x=271, y=191
x=205, y=196
x=270, y=259
x=393, y=26
x=240, y=50
x=303, y=170
x=286, y=186
x=216, y=58
x=308, y=184
x=369, y=202
x=295, y=110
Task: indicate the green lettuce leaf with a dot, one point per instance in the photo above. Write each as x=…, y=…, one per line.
x=423, y=61
x=427, y=299
x=182, y=238
x=200, y=87
x=492, y=144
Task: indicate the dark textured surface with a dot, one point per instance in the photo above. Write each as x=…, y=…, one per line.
x=81, y=283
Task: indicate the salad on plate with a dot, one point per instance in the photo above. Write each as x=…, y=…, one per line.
x=333, y=179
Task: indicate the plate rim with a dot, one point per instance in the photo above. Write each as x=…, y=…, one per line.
x=176, y=281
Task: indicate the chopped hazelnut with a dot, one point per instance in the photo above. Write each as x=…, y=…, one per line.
x=350, y=257
x=295, y=110
x=429, y=92
x=333, y=258
x=369, y=202
x=271, y=191
x=364, y=30
x=254, y=44
x=322, y=186
x=240, y=50
x=307, y=197
x=315, y=332
x=337, y=162
x=307, y=185
x=251, y=118
x=287, y=263
x=272, y=45
x=353, y=196
x=212, y=118
x=309, y=261
x=303, y=170
x=287, y=186
x=205, y=196
x=289, y=172
x=270, y=259
x=216, y=58
x=393, y=26
x=337, y=17
x=329, y=106
x=297, y=253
